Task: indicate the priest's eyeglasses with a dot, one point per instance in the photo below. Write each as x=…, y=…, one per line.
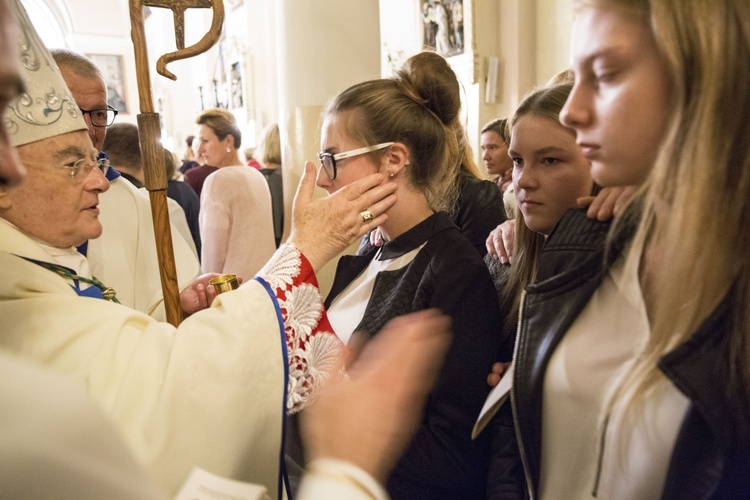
x=78, y=169
x=102, y=117
x=328, y=160
x=84, y=166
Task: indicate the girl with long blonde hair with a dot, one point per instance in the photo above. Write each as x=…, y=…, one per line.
x=631, y=374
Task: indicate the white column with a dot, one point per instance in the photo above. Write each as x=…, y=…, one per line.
x=323, y=47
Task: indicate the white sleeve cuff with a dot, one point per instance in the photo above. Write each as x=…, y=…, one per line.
x=333, y=478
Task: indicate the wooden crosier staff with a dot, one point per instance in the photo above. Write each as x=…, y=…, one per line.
x=149, y=128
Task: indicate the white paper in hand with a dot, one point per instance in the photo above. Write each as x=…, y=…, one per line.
x=494, y=401
x=203, y=485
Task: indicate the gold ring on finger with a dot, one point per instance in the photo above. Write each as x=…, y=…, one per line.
x=366, y=216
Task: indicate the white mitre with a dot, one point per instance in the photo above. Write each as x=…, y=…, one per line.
x=46, y=109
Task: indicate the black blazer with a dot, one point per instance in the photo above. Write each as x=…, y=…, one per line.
x=447, y=273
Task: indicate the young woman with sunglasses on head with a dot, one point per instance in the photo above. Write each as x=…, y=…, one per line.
x=631, y=372
x=403, y=128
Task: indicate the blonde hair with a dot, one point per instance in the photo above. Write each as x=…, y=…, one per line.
x=468, y=167
x=223, y=123
x=417, y=108
x=565, y=76
x=269, y=149
x=703, y=164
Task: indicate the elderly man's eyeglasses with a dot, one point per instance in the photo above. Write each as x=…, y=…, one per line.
x=328, y=160
x=78, y=169
x=103, y=117
x=84, y=166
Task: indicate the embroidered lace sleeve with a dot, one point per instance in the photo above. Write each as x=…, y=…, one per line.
x=312, y=347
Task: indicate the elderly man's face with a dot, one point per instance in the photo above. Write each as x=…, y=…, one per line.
x=52, y=205
x=11, y=171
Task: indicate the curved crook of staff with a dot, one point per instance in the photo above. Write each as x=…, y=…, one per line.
x=205, y=43
x=149, y=128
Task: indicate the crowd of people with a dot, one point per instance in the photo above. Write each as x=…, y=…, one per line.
x=611, y=305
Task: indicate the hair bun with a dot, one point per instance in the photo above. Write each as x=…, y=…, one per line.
x=428, y=79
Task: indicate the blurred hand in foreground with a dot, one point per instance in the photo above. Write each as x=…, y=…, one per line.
x=370, y=418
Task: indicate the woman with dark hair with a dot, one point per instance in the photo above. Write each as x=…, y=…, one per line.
x=188, y=159
x=183, y=194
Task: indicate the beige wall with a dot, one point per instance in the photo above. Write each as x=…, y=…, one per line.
x=554, y=19
x=530, y=38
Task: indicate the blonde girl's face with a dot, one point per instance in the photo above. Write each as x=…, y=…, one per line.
x=334, y=139
x=619, y=106
x=549, y=171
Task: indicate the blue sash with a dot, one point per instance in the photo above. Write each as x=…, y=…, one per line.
x=91, y=291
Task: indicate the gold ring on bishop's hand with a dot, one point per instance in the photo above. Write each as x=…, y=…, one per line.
x=366, y=216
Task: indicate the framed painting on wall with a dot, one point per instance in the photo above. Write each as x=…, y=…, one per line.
x=238, y=76
x=113, y=71
x=447, y=29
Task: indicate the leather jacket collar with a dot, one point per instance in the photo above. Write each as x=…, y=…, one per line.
x=710, y=459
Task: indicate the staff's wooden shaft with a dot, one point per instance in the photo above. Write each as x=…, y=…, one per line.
x=156, y=184
x=149, y=131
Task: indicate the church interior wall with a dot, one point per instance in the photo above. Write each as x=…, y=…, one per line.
x=528, y=37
